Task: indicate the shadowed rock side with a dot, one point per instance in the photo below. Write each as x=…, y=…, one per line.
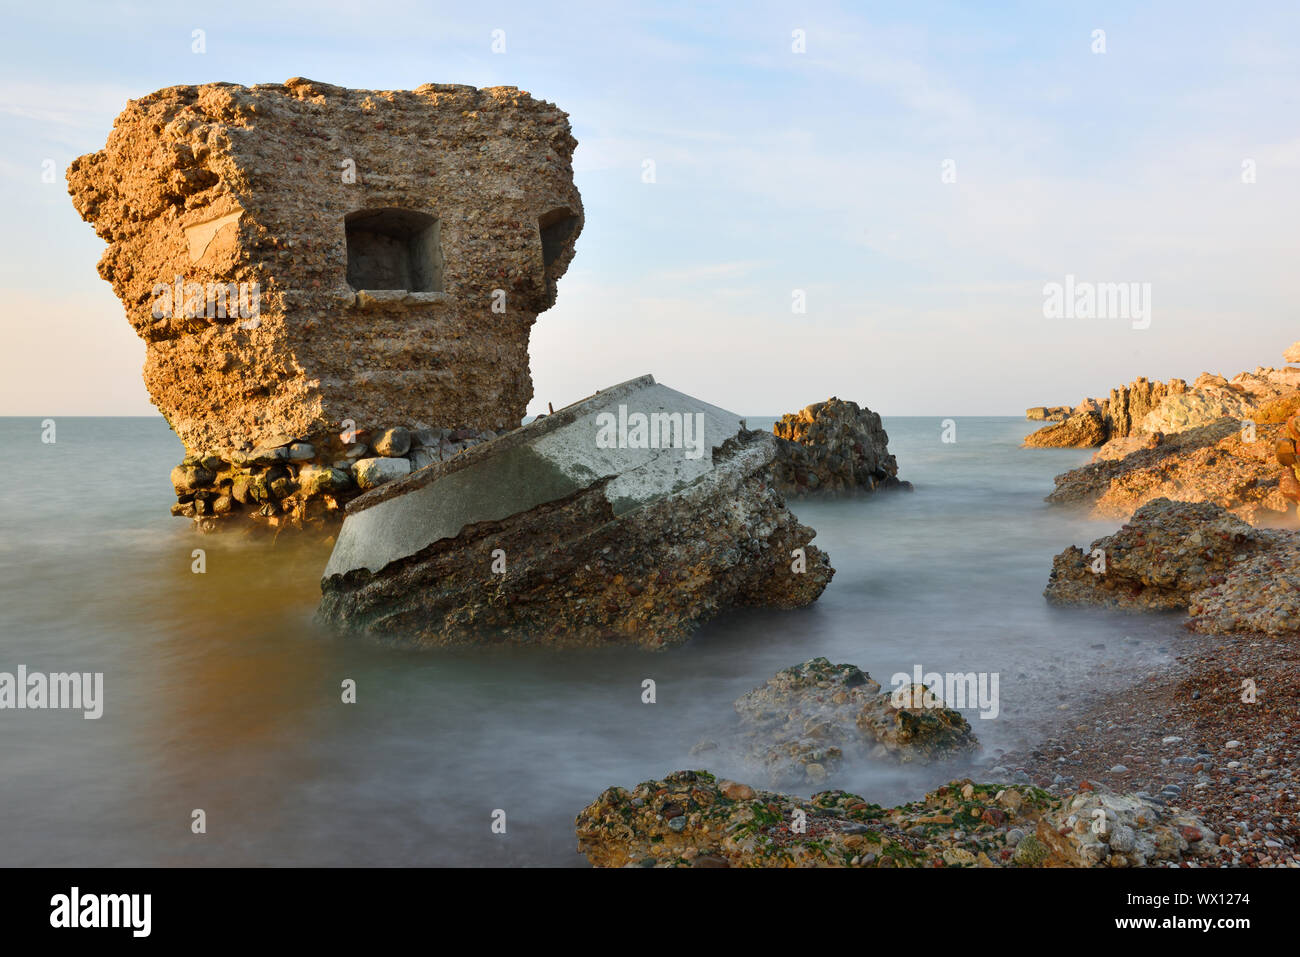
x=544, y=537
x=811, y=719
x=1144, y=407
x=1229, y=576
x=305, y=261
x=833, y=447
x=692, y=819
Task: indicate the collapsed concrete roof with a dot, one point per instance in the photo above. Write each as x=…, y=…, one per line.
x=630, y=516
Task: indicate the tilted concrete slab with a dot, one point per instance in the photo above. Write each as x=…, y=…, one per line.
x=547, y=459
x=630, y=516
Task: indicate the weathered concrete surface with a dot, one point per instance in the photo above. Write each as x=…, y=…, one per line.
x=395, y=246
x=573, y=530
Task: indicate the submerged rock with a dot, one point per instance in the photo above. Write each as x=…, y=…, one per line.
x=691, y=819
x=808, y=720
x=631, y=517
x=833, y=447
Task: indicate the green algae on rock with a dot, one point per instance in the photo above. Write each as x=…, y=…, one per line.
x=806, y=721
x=692, y=819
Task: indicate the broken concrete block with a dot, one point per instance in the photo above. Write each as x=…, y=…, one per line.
x=631, y=516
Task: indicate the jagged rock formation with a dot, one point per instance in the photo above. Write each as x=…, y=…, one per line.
x=1166, y=553
x=692, y=819
x=1144, y=407
x=1222, y=463
x=306, y=261
x=589, y=526
x=1094, y=421
x=808, y=720
x=833, y=447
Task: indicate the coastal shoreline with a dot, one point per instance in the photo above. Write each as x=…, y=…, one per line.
x=1174, y=727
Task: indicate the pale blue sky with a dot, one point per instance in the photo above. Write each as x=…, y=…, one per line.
x=776, y=171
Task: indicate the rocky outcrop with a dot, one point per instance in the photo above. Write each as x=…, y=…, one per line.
x=304, y=260
x=1165, y=554
x=1144, y=407
x=629, y=517
x=1045, y=413
x=809, y=720
x=833, y=447
x=1287, y=452
x=1229, y=576
x=1095, y=421
x=1079, y=430
x=692, y=819
x=1222, y=463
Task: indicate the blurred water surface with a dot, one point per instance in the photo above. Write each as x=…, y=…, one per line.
x=221, y=695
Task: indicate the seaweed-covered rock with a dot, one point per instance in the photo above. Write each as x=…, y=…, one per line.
x=692, y=819
x=808, y=720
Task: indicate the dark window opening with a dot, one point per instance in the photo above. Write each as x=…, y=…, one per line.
x=556, y=228
x=394, y=249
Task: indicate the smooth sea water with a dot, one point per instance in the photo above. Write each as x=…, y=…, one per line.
x=220, y=694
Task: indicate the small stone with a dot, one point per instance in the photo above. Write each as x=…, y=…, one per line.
x=371, y=473
x=736, y=791
x=1123, y=839
x=1030, y=852
x=393, y=442
x=317, y=480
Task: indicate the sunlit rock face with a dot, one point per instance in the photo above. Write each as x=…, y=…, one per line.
x=629, y=518
x=311, y=263
x=833, y=447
